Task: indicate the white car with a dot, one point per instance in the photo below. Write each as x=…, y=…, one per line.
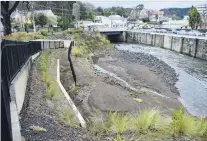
x=194, y=33
x=182, y=32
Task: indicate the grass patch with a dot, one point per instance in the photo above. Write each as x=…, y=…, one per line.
x=97, y=124
x=51, y=90
x=67, y=117
x=78, y=51
x=118, y=122
x=51, y=86
x=118, y=138
x=72, y=31
x=183, y=124
x=137, y=100
x=74, y=89
x=145, y=120
x=114, y=122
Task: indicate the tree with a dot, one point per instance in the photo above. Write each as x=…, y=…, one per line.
x=6, y=12
x=194, y=18
x=145, y=20
x=40, y=19
x=76, y=11
x=156, y=17
x=65, y=21
x=83, y=11
x=100, y=10
x=107, y=12
x=90, y=15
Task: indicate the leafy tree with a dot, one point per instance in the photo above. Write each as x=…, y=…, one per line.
x=100, y=10
x=120, y=11
x=107, y=12
x=65, y=21
x=194, y=18
x=156, y=17
x=6, y=12
x=90, y=15
x=145, y=20
x=83, y=11
x=76, y=11
x=40, y=19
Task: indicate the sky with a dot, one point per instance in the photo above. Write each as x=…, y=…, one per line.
x=148, y=4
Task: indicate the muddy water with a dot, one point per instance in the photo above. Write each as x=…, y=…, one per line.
x=192, y=75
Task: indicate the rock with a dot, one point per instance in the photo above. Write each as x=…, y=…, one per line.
x=37, y=128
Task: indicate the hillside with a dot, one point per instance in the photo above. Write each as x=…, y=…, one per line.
x=177, y=13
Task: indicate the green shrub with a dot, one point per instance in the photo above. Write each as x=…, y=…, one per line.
x=44, y=32
x=145, y=120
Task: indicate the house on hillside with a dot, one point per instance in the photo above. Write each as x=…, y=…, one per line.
x=156, y=15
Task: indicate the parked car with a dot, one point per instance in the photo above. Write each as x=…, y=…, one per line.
x=182, y=32
x=194, y=33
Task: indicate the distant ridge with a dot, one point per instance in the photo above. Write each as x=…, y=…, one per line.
x=176, y=13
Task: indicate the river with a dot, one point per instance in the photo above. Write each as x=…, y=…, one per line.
x=192, y=76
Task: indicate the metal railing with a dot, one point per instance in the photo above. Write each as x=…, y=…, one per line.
x=14, y=55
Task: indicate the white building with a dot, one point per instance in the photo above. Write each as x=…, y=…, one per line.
x=156, y=15
x=118, y=21
x=113, y=21
x=20, y=17
x=176, y=23
x=202, y=9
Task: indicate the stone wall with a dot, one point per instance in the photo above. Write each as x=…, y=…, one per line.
x=194, y=47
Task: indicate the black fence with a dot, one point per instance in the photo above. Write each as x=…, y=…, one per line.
x=14, y=55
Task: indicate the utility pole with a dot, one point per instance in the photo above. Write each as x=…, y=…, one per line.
x=111, y=19
x=33, y=17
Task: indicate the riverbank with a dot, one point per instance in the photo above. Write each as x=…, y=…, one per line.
x=116, y=89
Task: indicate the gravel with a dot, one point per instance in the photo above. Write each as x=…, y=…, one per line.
x=163, y=70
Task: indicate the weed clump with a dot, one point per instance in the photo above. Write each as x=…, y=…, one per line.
x=44, y=32
x=145, y=120
x=67, y=117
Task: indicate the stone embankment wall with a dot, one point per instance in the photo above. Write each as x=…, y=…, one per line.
x=192, y=46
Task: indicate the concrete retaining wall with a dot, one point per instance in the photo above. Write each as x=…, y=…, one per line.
x=195, y=47
x=17, y=92
x=202, y=49
x=176, y=44
x=53, y=44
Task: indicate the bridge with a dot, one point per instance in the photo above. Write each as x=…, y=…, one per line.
x=111, y=31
